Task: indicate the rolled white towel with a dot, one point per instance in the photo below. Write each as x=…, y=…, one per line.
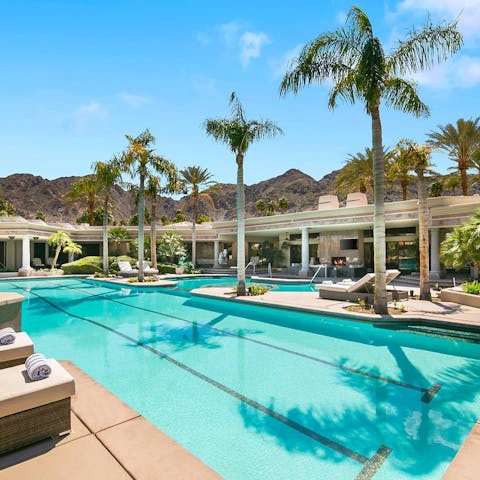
x=37, y=367
x=7, y=336
x=327, y=282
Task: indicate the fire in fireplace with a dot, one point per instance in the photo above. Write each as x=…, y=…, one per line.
x=339, y=261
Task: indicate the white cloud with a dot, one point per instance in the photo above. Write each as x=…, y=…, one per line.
x=463, y=71
x=132, y=100
x=251, y=45
x=83, y=115
x=468, y=12
x=281, y=67
x=229, y=32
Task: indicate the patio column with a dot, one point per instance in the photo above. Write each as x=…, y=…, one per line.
x=25, y=270
x=305, y=253
x=434, y=254
x=216, y=253
x=25, y=251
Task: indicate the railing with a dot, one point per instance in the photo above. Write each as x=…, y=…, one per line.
x=251, y=264
x=318, y=271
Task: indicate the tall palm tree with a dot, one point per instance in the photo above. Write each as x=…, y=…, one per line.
x=196, y=178
x=152, y=191
x=355, y=60
x=139, y=160
x=356, y=174
x=85, y=190
x=238, y=133
x=419, y=158
x=108, y=174
x=461, y=142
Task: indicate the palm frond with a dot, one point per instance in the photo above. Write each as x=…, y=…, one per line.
x=424, y=47
x=402, y=95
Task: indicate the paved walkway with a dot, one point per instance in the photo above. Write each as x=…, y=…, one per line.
x=419, y=312
x=108, y=440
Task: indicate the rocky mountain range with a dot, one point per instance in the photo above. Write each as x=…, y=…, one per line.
x=30, y=194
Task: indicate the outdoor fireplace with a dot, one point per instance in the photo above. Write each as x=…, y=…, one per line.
x=339, y=261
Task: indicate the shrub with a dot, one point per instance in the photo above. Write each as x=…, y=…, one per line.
x=166, y=268
x=85, y=265
x=472, y=287
x=257, y=289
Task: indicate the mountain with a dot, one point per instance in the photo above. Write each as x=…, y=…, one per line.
x=30, y=194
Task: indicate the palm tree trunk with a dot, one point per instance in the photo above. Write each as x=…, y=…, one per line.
x=153, y=233
x=55, y=258
x=380, y=299
x=141, y=222
x=194, y=230
x=105, y=235
x=91, y=211
x=423, y=239
x=240, y=228
x=462, y=167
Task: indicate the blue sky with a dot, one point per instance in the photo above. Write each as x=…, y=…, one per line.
x=78, y=75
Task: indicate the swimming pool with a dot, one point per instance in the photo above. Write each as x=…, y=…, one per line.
x=224, y=281
x=260, y=393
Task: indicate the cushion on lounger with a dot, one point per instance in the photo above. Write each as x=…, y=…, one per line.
x=18, y=393
x=22, y=347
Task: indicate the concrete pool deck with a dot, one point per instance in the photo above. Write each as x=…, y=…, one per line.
x=108, y=440
x=418, y=312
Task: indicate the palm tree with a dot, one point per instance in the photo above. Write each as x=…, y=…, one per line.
x=62, y=242
x=238, y=133
x=419, y=158
x=261, y=206
x=400, y=168
x=139, y=160
x=452, y=182
x=356, y=174
x=194, y=178
x=354, y=59
x=108, y=174
x=460, y=246
x=461, y=142
x=152, y=191
x=85, y=190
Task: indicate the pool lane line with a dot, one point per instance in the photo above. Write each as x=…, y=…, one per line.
x=428, y=393
x=377, y=459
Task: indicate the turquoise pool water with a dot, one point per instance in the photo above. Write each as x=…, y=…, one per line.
x=196, y=282
x=260, y=393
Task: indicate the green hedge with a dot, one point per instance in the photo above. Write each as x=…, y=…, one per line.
x=166, y=268
x=83, y=265
x=91, y=265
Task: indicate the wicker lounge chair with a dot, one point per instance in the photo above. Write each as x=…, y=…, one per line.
x=32, y=411
x=17, y=352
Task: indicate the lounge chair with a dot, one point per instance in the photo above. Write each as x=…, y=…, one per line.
x=126, y=269
x=37, y=263
x=17, y=352
x=361, y=289
x=147, y=269
x=32, y=411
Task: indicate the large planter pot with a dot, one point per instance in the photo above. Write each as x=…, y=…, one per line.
x=179, y=270
x=458, y=296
